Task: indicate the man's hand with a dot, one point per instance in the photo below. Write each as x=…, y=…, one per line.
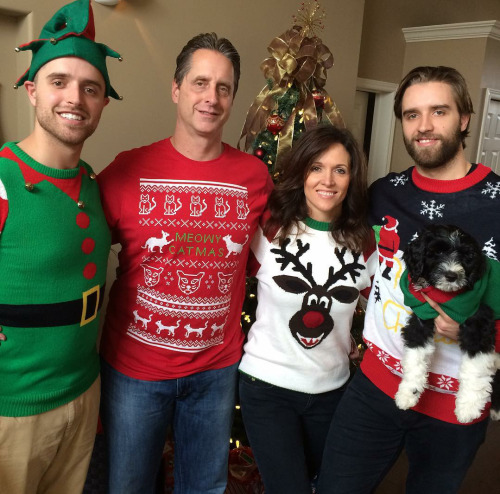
x=444, y=324
x=2, y=336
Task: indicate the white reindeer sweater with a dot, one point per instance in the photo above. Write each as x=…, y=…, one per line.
x=307, y=293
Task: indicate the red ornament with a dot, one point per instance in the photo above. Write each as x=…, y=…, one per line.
x=319, y=98
x=259, y=152
x=274, y=123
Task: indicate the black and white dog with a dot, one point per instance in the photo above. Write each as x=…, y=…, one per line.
x=444, y=258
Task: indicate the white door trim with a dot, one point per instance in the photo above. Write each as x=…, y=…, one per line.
x=459, y=30
x=489, y=94
x=382, y=137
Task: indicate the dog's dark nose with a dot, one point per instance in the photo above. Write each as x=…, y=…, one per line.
x=450, y=276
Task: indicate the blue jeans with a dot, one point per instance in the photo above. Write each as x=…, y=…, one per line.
x=136, y=415
x=369, y=431
x=287, y=431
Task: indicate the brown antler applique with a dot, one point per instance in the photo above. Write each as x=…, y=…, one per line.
x=351, y=268
x=288, y=257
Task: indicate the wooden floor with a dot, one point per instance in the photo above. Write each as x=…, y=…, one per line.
x=482, y=478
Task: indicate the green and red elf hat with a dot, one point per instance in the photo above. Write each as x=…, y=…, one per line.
x=70, y=33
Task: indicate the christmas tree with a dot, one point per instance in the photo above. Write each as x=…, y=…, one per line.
x=294, y=98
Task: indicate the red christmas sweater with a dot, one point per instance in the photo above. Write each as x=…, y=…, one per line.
x=185, y=228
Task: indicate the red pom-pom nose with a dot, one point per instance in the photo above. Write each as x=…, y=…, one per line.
x=313, y=319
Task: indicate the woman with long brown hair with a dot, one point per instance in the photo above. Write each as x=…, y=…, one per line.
x=310, y=260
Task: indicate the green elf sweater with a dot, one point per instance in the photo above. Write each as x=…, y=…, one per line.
x=54, y=245
x=459, y=306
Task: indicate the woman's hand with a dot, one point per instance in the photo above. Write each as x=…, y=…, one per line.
x=354, y=353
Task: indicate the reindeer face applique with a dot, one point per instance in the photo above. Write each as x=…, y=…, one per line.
x=313, y=322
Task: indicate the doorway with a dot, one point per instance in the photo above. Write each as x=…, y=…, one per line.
x=488, y=151
x=374, y=124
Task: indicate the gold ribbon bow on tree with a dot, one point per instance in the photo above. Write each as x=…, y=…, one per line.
x=293, y=98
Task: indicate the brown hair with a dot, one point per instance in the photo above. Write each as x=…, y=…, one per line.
x=207, y=41
x=287, y=203
x=447, y=75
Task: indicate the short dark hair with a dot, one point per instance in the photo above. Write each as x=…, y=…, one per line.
x=287, y=203
x=207, y=41
x=444, y=74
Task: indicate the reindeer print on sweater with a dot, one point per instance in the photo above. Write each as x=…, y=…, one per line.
x=313, y=322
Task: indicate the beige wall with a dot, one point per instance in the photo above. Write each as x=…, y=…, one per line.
x=491, y=74
x=385, y=56
x=8, y=113
x=382, y=43
x=365, y=38
x=14, y=107
x=150, y=33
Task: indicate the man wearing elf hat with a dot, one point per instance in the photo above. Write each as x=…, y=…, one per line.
x=184, y=210
x=54, y=245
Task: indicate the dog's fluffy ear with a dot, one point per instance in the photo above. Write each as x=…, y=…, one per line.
x=413, y=256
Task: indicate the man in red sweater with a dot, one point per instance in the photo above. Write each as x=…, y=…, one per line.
x=184, y=210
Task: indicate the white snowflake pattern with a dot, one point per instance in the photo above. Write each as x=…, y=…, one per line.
x=383, y=356
x=489, y=249
x=432, y=209
x=445, y=382
x=398, y=367
x=415, y=236
x=169, y=279
x=399, y=180
x=492, y=189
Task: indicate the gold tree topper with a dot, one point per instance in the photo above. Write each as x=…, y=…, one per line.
x=310, y=17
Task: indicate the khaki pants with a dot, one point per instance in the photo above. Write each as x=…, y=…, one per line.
x=49, y=453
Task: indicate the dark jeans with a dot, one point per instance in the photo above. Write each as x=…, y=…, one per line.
x=368, y=432
x=136, y=415
x=287, y=431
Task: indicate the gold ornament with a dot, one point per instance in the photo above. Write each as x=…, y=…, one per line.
x=29, y=186
x=81, y=204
